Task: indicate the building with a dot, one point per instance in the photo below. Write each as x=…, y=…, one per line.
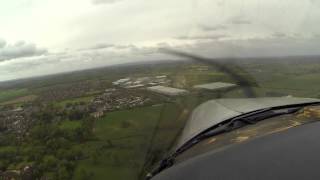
x=110, y=90
x=97, y=114
x=161, y=77
x=134, y=86
x=121, y=81
x=216, y=86
x=167, y=90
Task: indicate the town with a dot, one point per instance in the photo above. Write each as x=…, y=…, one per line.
x=126, y=93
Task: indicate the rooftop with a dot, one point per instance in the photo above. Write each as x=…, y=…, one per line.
x=121, y=81
x=215, y=86
x=135, y=86
x=167, y=90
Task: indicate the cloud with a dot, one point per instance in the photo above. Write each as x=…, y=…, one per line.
x=204, y=37
x=19, y=50
x=30, y=63
x=163, y=45
x=239, y=20
x=315, y=2
x=278, y=35
x=130, y=46
x=102, y=46
x=213, y=28
x=145, y=23
x=98, y=46
x=263, y=46
x=220, y=3
x=99, y=2
x=3, y=43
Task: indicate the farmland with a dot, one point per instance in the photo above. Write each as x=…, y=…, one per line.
x=7, y=95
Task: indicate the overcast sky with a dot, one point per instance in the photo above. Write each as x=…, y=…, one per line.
x=49, y=36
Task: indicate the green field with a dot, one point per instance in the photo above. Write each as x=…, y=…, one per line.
x=84, y=99
x=70, y=125
x=6, y=95
x=123, y=139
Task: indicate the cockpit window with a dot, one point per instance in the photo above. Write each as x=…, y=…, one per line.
x=104, y=89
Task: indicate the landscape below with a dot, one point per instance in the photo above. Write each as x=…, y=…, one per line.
x=106, y=123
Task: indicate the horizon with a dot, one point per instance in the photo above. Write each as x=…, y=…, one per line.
x=153, y=62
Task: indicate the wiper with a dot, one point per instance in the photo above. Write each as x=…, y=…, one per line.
x=227, y=126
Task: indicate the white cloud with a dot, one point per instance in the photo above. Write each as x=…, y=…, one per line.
x=238, y=20
x=213, y=27
x=278, y=35
x=3, y=43
x=19, y=50
x=203, y=37
x=99, y=2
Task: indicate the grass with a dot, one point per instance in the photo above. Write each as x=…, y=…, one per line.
x=302, y=85
x=85, y=99
x=8, y=95
x=20, y=100
x=128, y=144
x=70, y=125
x=123, y=140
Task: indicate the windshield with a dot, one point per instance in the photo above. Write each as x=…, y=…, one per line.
x=105, y=89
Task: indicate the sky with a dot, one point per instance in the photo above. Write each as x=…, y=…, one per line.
x=39, y=37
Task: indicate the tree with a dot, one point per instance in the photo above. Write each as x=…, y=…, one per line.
x=85, y=131
x=85, y=175
x=126, y=124
x=115, y=159
x=63, y=173
x=77, y=152
x=69, y=165
x=49, y=162
x=95, y=157
x=76, y=114
x=3, y=165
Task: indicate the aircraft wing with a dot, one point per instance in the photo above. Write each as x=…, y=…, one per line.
x=216, y=111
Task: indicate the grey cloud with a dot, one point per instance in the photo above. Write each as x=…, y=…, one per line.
x=315, y=2
x=163, y=45
x=213, y=28
x=19, y=43
x=98, y=2
x=59, y=53
x=106, y=46
x=102, y=46
x=279, y=35
x=3, y=43
x=258, y=47
x=220, y=3
x=206, y=37
x=40, y=61
x=145, y=50
x=297, y=35
x=130, y=46
x=19, y=50
x=32, y=63
x=149, y=50
x=239, y=20
x=98, y=46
